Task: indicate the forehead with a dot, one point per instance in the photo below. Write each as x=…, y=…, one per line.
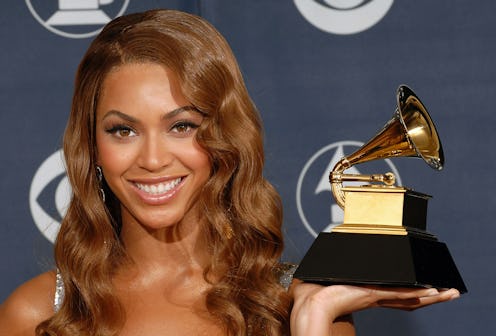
x=133, y=73
x=136, y=83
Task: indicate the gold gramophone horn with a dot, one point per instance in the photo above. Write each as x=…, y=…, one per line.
x=410, y=132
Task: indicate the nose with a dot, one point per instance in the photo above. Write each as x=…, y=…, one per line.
x=154, y=153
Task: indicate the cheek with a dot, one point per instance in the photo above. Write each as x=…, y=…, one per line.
x=200, y=161
x=113, y=158
x=204, y=165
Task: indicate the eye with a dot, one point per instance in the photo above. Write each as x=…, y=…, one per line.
x=121, y=131
x=184, y=127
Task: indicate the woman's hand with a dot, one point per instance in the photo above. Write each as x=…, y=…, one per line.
x=317, y=307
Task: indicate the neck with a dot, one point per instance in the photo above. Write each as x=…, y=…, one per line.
x=176, y=248
x=165, y=264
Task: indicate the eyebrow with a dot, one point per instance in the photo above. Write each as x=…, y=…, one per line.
x=167, y=116
x=175, y=112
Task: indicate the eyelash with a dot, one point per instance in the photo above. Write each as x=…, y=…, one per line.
x=190, y=126
x=114, y=130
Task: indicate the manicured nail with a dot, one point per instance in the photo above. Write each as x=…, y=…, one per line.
x=455, y=296
x=432, y=292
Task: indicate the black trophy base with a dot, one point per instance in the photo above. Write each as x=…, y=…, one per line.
x=378, y=259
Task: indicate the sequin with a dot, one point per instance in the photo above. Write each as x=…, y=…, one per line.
x=59, y=292
x=287, y=271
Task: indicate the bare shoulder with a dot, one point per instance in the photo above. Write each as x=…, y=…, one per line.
x=28, y=305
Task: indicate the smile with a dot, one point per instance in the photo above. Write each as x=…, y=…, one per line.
x=158, y=188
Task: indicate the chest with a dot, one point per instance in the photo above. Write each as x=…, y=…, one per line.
x=168, y=320
x=164, y=311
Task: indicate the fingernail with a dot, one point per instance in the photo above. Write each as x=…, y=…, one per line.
x=432, y=292
x=455, y=296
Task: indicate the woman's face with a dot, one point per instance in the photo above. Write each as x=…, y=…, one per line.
x=145, y=135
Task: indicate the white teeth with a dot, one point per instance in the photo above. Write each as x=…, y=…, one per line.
x=159, y=188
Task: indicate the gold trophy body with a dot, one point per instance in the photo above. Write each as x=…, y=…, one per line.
x=383, y=238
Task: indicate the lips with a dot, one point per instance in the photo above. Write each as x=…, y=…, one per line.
x=158, y=192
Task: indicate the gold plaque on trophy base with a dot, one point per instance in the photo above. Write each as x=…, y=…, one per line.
x=384, y=210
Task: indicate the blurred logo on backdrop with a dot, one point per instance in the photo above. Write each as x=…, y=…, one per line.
x=316, y=206
x=49, y=195
x=343, y=17
x=76, y=18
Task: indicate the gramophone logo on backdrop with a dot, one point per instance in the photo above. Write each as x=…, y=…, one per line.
x=76, y=18
x=49, y=195
x=316, y=206
x=343, y=17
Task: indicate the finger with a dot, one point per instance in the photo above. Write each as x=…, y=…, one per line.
x=402, y=293
x=445, y=295
x=423, y=301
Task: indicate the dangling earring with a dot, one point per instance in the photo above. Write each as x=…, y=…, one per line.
x=99, y=176
x=228, y=231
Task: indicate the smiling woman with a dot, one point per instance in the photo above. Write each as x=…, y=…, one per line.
x=160, y=108
x=172, y=228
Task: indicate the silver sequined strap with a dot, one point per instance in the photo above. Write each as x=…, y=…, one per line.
x=59, y=292
x=287, y=274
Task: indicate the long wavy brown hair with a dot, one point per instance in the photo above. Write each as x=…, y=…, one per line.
x=243, y=210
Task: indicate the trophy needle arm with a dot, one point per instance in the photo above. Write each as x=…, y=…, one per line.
x=336, y=178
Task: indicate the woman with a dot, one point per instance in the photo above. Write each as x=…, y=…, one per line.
x=172, y=228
